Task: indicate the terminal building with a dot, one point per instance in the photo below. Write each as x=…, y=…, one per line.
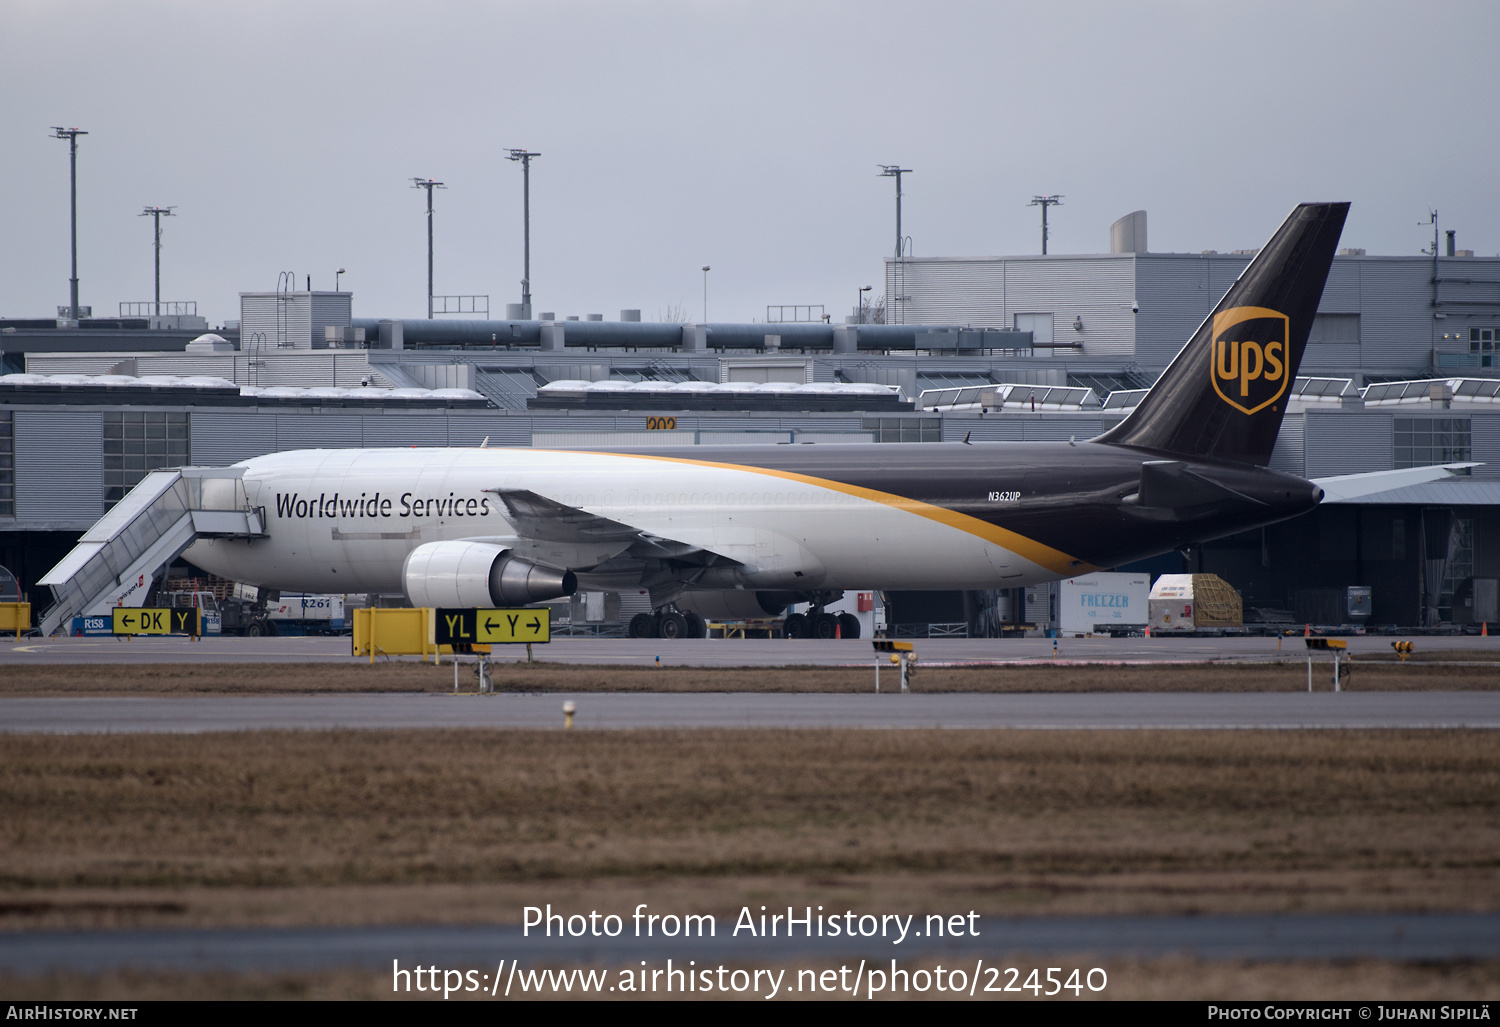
x=1400, y=371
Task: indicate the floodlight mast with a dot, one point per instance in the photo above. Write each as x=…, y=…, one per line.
x=429, y=185
x=71, y=135
x=524, y=156
x=1044, y=202
x=157, y=213
x=896, y=171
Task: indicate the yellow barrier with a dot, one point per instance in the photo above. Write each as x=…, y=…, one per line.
x=399, y=631
x=15, y=617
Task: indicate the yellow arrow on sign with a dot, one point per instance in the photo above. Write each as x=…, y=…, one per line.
x=522, y=625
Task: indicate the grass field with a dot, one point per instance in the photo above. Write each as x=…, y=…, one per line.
x=354, y=827
x=410, y=676
x=350, y=827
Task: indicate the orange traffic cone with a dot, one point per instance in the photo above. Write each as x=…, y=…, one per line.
x=1307, y=631
x=838, y=631
x=1484, y=628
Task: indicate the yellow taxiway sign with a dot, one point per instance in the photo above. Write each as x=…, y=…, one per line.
x=146, y=620
x=492, y=627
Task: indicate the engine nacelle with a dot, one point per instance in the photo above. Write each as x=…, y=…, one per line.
x=478, y=574
x=735, y=604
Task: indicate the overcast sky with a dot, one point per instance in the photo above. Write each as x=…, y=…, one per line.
x=742, y=135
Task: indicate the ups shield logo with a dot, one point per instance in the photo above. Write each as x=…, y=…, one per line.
x=1249, y=357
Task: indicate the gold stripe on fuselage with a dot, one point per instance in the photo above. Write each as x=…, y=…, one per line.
x=1043, y=555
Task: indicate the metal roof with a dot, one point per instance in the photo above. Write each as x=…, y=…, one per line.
x=1010, y=397
x=1124, y=399
x=168, y=389
x=1308, y=388
x=1459, y=390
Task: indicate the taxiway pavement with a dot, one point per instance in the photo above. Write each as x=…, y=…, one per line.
x=1396, y=936
x=94, y=650
x=606, y=710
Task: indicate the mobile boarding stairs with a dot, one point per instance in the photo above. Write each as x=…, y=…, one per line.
x=116, y=560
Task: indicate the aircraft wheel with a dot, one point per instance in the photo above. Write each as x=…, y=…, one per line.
x=697, y=628
x=848, y=625
x=672, y=625
x=270, y=629
x=642, y=625
x=824, y=625
x=795, y=626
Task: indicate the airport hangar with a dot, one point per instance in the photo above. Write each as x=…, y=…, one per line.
x=1400, y=371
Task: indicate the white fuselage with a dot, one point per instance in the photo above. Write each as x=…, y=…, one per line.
x=345, y=521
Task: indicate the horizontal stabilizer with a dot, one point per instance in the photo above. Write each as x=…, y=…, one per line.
x=1345, y=487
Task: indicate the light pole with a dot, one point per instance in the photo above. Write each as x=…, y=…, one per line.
x=1044, y=202
x=156, y=214
x=859, y=304
x=524, y=156
x=71, y=135
x=429, y=185
x=336, y=274
x=896, y=171
x=706, y=270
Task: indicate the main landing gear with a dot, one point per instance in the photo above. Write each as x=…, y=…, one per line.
x=668, y=623
x=817, y=623
x=671, y=622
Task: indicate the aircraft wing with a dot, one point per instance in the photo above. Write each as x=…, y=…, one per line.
x=537, y=518
x=1344, y=487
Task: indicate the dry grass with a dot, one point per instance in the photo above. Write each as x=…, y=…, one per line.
x=444, y=826
x=1162, y=979
x=290, y=678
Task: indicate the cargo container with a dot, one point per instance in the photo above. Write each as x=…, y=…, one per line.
x=1103, y=602
x=1194, y=602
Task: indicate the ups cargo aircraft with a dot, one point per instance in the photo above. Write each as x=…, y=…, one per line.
x=746, y=531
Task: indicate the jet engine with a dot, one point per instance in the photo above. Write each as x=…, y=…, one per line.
x=477, y=574
x=735, y=604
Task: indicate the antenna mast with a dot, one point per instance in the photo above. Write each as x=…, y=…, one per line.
x=1044, y=202
x=896, y=171
x=157, y=213
x=71, y=135
x=524, y=156
x=429, y=185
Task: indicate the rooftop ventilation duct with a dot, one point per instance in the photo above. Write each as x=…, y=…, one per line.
x=1128, y=235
